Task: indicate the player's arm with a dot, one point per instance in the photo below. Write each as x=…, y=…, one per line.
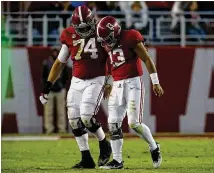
x=107, y=87
x=108, y=81
x=55, y=72
x=144, y=56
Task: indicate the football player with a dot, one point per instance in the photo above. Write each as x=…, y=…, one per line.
x=126, y=52
x=87, y=84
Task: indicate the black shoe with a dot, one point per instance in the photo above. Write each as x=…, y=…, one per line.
x=113, y=165
x=86, y=162
x=105, y=152
x=156, y=156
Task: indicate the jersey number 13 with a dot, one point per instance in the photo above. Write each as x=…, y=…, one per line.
x=116, y=61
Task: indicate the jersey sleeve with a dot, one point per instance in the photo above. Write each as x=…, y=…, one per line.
x=63, y=37
x=64, y=54
x=134, y=37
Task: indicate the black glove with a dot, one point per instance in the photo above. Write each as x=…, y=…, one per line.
x=47, y=88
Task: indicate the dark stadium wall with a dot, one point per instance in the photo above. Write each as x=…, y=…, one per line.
x=36, y=57
x=186, y=74
x=175, y=71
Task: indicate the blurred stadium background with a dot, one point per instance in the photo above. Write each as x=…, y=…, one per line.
x=180, y=38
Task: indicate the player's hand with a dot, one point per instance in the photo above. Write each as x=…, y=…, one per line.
x=43, y=98
x=107, y=91
x=158, y=90
x=44, y=95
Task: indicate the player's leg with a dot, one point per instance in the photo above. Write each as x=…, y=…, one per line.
x=78, y=128
x=135, y=99
x=117, y=110
x=48, y=114
x=89, y=107
x=60, y=105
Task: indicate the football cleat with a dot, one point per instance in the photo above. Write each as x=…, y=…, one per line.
x=86, y=162
x=105, y=153
x=156, y=156
x=113, y=165
x=89, y=164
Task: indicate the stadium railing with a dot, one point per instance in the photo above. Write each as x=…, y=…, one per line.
x=161, y=28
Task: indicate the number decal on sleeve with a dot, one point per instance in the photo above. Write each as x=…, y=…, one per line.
x=119, y=59
x=90, y=47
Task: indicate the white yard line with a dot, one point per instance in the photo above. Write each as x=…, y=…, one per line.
x=30, y=138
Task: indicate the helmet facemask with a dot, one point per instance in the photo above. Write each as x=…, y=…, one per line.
x=84, y=30
x=108, y=42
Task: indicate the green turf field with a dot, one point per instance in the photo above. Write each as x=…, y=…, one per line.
x=179, y=156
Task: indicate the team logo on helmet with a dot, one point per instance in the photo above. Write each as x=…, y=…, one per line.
x=108, y=31
x=110, y=26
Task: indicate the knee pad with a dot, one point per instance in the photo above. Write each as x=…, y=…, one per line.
x=78, y=128
x=90, y=123
x=115, y=131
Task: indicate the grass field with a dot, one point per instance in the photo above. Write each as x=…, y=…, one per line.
x=180, y=155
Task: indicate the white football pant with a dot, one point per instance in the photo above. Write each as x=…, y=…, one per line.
x=127, y=96
x=84, y=97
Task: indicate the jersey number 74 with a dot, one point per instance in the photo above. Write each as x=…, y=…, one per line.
x=89, y=47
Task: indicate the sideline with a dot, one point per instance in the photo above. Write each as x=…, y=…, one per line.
x=30, y=138
x=43, y=137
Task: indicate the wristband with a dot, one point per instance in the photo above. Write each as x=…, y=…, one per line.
x=154, y=78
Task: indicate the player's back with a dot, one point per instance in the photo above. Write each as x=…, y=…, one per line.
x=89, y=58
x=124, y=60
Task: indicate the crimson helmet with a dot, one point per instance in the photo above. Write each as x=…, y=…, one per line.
x=83, y=21
x=108, y=31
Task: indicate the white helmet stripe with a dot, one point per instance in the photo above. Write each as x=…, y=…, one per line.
x=80, y=14
x=98, y=25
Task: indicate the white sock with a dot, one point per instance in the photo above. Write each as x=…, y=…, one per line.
x=144, y=132
x=99, y=134
x=117, y=146
x=82, y=142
